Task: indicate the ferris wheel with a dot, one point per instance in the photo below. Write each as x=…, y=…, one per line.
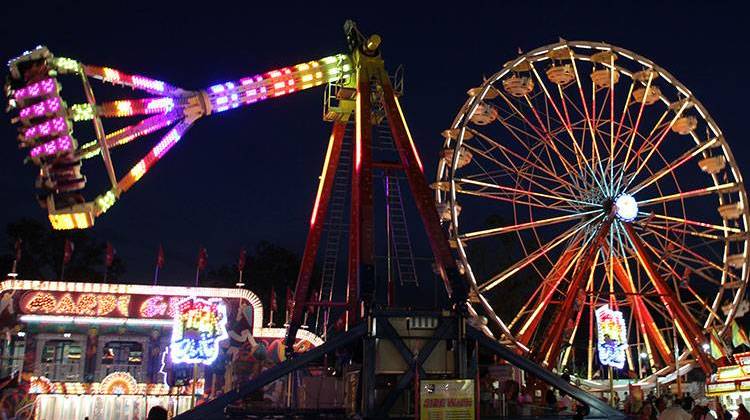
x=582, y=175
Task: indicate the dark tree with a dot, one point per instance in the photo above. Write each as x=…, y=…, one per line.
x=270, y=265
x=42, y=254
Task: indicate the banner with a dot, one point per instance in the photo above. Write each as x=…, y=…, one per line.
x=612, y=339
x=450, y=399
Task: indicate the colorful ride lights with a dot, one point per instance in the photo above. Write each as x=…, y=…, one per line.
x=50, y=127
x=199, y=326
x=166, y=143
x=78, y=217
x=53, y=147
x=48, y=107
x=138, y=82
x=33, y=90
x=278, y=82
x=129, y=107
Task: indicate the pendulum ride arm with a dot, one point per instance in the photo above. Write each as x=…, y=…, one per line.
x=685, y=322
x=169, y=106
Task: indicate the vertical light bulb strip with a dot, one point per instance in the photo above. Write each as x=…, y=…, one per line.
x=161, y=148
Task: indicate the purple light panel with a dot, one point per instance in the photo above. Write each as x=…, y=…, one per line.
x=51, y=127
x=43, y=87
x=51, y=106
x=53, y=147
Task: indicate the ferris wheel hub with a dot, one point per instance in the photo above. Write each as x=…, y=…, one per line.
x=626, y=208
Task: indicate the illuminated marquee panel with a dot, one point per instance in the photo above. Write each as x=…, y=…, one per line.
x=147, y=304
x=611, y=337
x=199, y=326
x=100, y=305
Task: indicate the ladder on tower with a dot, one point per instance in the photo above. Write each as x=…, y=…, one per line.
x=402, y=253
x=336, y=227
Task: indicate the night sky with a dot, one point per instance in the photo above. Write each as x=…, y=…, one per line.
x=251, y=174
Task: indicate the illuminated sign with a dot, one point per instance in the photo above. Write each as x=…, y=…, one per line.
x=88, y=304
x=721, y=387
x=119, y=383
x=611, y=337
x=447, y=399
x=199, y=326
x=100, y=305
x=742, y=358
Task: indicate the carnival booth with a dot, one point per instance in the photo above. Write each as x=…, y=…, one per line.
x=113, y=351
x=731, y=384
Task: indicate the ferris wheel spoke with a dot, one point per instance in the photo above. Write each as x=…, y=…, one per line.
x=506, y=151
x=676, y=228
x=523, y=192
x=522, y=226
x=552, y=139
x=521, y=171
x=726, y=229
x=685, y=285
x=611, y=122
x=570, y=169
x=550, y=285
x=514, y=200
x=656, y=145
x=638, y=119
x=564, y=121
x=530, y=258
x=694, y=254
x=700, y=192
x=664, y=262
x=695, y=151
x=594, y=146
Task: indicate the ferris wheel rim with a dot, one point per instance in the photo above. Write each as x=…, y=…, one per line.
x=447, y=169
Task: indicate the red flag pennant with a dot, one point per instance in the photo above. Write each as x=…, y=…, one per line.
x=202, y=259
x=18, y=247
x=273, y=301
x=160, y=257
x=313, y=299
x=289, y=299
x=68, y=251
x=110, y=255
x=241, y=260
x=341, y=322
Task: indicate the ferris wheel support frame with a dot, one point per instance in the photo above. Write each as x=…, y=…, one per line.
x=684, y=323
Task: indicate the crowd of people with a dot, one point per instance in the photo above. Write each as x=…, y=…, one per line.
x=670, y=407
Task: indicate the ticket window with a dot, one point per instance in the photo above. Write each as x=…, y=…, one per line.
x=122, y=356
x=62, y=360
x=12, y=350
